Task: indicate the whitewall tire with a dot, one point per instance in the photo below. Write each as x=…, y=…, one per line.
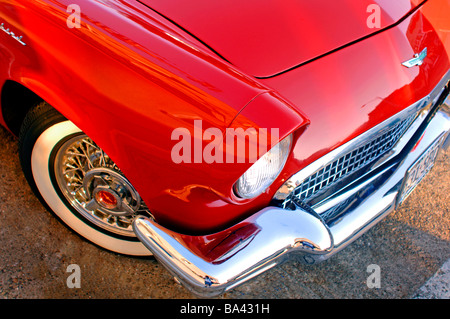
x=53, y=156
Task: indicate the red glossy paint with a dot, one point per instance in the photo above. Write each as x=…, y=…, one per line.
x=128, y=77
x=266, y=37
x=344, y=99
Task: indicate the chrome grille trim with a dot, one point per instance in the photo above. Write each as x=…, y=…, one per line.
x=417, y=111
x=352, y=161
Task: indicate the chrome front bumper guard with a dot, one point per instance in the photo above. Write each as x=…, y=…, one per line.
x=282, y=233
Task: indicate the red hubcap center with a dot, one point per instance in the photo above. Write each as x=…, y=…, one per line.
x=106, y=199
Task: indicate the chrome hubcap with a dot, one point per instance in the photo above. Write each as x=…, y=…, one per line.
x=95, y=186
x=111, y=192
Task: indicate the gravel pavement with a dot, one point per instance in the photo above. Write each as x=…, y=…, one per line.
x=409, y=246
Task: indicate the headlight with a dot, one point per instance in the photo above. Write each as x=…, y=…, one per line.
x=264, y=171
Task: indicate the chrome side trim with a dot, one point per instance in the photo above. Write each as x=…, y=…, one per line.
x=12, y=35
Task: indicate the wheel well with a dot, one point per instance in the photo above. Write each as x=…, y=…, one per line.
x=16, y=101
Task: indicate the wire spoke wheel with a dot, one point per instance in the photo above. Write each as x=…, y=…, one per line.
x=94, y=185
x=78, y=182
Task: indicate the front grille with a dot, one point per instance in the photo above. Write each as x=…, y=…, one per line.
x=351, y=162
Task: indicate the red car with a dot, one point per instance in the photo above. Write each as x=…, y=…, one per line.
x=224, y=137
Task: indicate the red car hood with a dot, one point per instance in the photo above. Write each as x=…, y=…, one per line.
x=266, y=37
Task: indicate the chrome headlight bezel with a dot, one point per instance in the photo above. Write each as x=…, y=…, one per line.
x=264, y=171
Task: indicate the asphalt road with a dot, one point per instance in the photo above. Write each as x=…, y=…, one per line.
x=409, y=246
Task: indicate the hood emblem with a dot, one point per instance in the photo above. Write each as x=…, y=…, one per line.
x=417, y=60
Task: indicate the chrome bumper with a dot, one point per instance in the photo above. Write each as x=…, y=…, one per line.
x=278, y=234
